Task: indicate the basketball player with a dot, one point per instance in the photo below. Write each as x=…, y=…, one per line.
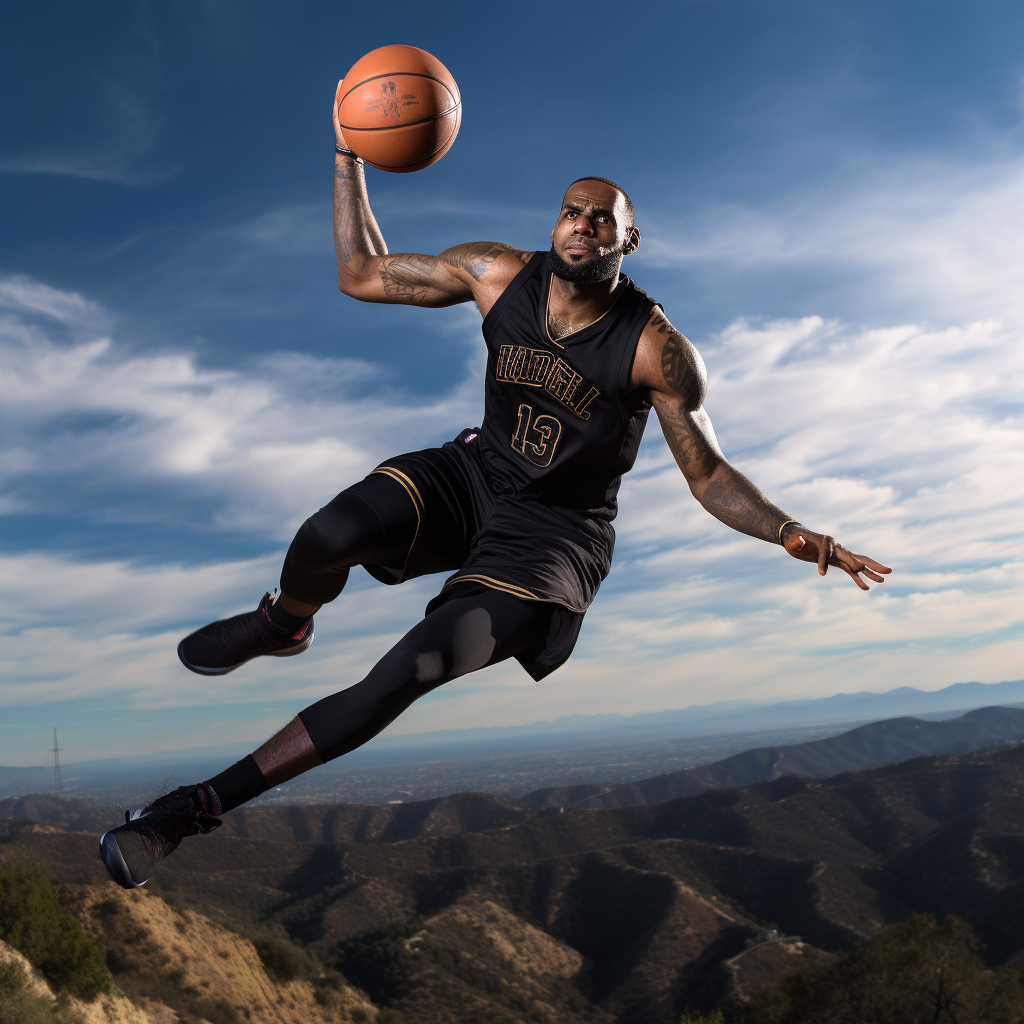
x=520, y=508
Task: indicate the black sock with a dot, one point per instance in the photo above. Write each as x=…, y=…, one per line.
x=238, y=784
x=279, y=617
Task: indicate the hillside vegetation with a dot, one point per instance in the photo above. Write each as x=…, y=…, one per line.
x=631, y=914
x=97, y=954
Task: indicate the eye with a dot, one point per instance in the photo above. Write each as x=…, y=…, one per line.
x=569, y=214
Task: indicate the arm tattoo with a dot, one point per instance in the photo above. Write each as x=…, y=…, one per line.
x=685, y=438
x=728, y=494
x=405, y=276
x=733, y=499
x=476, y=257
x=355, y=229
x=681, y=365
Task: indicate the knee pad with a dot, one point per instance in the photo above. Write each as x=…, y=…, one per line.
x=342, y=534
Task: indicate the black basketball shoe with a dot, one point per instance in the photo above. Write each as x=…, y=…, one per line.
x=134, y=850
x=222, y=646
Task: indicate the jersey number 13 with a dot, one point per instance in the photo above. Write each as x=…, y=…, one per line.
x=536, y=438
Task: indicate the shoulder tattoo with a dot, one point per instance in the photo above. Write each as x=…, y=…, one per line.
x=476, y=257
x=681, y=366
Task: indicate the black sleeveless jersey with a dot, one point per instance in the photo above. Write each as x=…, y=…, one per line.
x=560, y=426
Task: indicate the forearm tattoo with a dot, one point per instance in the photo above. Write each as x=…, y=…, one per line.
x=733, y=499
x=355, y=229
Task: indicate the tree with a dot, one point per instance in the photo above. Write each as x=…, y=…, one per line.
x=916, y=972
x=31, y=920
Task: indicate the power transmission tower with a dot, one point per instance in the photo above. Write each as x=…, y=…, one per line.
x=56, y=751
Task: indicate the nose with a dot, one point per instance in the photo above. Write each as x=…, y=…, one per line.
x=582, y=226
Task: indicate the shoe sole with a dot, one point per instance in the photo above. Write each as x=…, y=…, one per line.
x=203, y=671
x=114, y=862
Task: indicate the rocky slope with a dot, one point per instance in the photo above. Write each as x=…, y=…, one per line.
x=172, y=966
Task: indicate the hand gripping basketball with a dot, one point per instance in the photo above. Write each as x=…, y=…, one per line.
x=398, y=108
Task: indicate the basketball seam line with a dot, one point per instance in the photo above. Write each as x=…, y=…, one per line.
x=404, y=124
x=415, y=163
x=397, y=74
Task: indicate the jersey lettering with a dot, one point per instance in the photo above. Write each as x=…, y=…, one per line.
x=536, y=368
x=536, y=439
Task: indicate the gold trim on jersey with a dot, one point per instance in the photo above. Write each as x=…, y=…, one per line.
x=417, y=503
x=488, y=581
x=547, y=308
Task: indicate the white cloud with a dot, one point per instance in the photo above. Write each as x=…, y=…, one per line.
x=266, y=444
x=918, y=237
x=905, y=441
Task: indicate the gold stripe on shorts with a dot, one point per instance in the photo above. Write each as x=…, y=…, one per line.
x=487, y=581
x=417, y=503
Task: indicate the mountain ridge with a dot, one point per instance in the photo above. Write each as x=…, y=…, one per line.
x=646, y=908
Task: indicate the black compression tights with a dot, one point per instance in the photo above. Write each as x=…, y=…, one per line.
x=372, y=521
x=463, y=635
x=375, y=521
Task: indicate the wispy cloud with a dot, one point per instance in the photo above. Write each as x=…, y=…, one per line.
x=904, y=441
x=943, y=240
x=308, y=425
x=114, y=144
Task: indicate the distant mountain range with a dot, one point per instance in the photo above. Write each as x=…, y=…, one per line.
x=868, y=746
x=718, y=718
x=470, y=908
x=878, y=743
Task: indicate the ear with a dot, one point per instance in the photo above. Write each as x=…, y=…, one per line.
x=632, y=242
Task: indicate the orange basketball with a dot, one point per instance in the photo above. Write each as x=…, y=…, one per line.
x=399, y=108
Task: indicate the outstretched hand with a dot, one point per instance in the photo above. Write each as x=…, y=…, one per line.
x=823, y=549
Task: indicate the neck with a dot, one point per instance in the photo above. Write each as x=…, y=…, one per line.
x=568, y=293
x=571, y=307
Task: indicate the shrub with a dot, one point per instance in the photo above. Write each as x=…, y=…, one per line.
x=917, y=970
x=20, y=1007
x=32, y=921
x=379, y=962
x=283, y=960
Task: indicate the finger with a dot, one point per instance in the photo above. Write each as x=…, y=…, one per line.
x=856, y=579
x=862, y=561
x=877, y=566
x=826, y=550
x=872, y=575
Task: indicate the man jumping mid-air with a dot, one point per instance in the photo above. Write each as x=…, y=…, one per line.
x=519, y=507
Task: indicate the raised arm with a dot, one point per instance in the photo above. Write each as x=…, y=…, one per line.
x=476, y=270
x=669, y=365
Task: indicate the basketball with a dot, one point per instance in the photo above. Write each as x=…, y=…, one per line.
x=399, y=108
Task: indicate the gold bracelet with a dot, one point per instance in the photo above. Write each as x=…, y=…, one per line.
x=795, y=522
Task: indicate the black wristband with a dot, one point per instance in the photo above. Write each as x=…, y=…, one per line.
x=347, y=152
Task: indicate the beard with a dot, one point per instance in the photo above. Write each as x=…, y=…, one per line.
x=592, y=271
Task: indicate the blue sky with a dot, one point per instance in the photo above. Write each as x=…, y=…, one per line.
x=832, y=206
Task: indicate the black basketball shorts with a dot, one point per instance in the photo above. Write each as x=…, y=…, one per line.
x=533, y=551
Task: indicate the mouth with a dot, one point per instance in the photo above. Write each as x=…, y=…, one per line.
x=578, y=249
